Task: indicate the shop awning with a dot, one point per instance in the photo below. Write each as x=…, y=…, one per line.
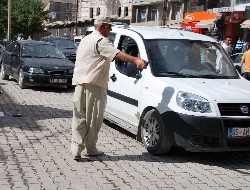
x=205, y=24
x=174, y=23
x=245, y=24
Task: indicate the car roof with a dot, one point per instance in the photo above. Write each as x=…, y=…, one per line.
x=32, y=42
x=57, y=37
x=160, y=32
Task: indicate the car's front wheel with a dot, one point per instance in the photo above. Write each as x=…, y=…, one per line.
x=21, y=80
x=3, y=74
x=154, y=134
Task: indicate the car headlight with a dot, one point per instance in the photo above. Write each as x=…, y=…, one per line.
x=36, y=71
x=192, y=102
x=71, y=71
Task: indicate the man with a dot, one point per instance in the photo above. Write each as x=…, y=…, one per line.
x=239, y=45
x=227, y=45
x=221, y=64
x=94, y=55
x=246, y=59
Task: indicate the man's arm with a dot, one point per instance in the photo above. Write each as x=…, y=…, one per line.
x=242, y=62
x=128, y=58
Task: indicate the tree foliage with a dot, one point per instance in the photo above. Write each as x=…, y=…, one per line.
x=3, y=18
x=27, y=17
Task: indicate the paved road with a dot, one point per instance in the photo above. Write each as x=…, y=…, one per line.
x=35, y=152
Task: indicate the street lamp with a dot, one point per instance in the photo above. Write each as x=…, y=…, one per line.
x=9, y=21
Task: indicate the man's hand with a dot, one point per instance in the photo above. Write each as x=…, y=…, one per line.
x=141, y=64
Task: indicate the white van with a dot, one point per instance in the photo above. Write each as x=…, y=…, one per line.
x=190, y=95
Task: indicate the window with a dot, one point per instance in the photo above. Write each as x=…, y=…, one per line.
x=98, y=11
x=91, y=15
x=154, y=15
x=119, y=10
x=125, y=11
x=143, y=16
x=129, y=46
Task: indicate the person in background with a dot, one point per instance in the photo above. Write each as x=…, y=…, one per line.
x=246, y=59
x=221, y=64
x=245, y=46
x=239, y=45
x=227, y=45
x=91, y=74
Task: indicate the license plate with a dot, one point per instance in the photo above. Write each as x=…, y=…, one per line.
x=238, y=132
x=57, y=80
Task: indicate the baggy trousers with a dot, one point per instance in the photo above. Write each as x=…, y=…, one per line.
x=89, y=103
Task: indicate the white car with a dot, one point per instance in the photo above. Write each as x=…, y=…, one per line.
x=180, y=99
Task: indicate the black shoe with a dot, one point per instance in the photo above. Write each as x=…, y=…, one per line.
x=77, y=158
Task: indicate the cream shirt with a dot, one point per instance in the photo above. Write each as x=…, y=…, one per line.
x=93, y=58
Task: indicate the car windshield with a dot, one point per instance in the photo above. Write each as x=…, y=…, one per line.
x=187, y=58
x=41, y=51
x=64, y=43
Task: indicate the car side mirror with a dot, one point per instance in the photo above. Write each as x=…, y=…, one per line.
x=15, y=54
x=131, y=69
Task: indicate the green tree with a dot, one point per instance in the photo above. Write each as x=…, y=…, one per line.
x=27, y=17
x=3, y=18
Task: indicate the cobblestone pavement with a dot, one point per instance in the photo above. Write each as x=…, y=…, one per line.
x=35, y=152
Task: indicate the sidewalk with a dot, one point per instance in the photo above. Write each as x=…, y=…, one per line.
x=35, y=152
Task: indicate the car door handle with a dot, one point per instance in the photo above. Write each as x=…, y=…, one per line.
x=113, y=78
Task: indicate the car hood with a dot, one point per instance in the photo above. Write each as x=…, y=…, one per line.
x=48, y=62
x=217, y=89
x=66, y=50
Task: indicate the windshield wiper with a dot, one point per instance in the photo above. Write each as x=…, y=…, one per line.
x=215, y=76
x=178, y=74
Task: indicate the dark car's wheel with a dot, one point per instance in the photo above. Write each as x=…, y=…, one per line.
x=3, y=75
x=21, y=80
x=153, y=134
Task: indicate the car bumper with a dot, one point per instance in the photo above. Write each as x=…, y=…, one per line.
x=44, y=80
x=205, y=134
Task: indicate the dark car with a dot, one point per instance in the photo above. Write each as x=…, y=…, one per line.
x=66, y=45
x=36, y=63
x=2, y=47
x=236, y=61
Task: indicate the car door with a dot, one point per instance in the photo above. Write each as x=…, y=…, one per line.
x=15, y=61
x=124, y=91
x=6, y=58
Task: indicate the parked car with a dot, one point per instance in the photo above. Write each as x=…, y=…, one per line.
x=180, y=100
x=36, y=63
x=2, y=47
x=236, y=61
x=65, y=44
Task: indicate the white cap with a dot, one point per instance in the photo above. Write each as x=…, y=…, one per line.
x=102, y=20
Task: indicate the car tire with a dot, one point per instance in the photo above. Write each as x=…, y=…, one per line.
x=154, y=134
x=21, y=80
x=3, y=75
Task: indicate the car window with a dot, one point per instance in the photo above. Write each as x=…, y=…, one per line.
x=111, y=37
x=11, y=47
x=41, y=51
x=189, y=58
x=129, y=46
x=238, y=58
x=64, y=43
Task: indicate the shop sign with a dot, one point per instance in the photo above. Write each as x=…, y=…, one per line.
x=233, y=17
x=222, y=9
x=191, y=27
x=198, y=16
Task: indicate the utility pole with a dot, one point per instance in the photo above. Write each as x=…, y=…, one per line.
x=164, y=13
x=76, y=33
x=9, y=22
